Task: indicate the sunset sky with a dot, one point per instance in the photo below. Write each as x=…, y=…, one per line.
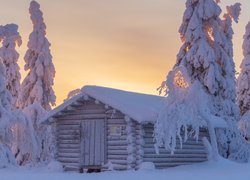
x=126, y=44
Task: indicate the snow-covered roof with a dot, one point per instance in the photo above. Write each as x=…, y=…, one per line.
x=140, y=107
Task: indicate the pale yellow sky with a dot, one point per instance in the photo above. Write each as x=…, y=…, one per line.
x=126, y=44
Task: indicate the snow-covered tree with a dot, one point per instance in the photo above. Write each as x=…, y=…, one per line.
x=24, y=144
x=187, y=104
x=9, y=56
x=206, y=55
x=43, y=133
x=6, y=157
x=243, y=82
x=37, y=85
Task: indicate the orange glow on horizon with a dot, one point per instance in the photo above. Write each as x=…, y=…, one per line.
x=128, y=45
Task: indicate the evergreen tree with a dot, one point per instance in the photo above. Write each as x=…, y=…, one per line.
x=6, y=157
x=204, y=56
x=207, y=59
x=37, y=85
x=243, y=82
x=10, y=56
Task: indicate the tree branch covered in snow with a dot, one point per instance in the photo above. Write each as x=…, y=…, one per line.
x=37, y=85
x=73, y=93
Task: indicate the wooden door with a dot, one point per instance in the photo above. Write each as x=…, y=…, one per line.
x=93, y=143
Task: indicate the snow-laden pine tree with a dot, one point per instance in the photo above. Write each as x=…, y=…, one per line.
x=6, y=157
x=37, y=85
x=9, y=56
x=37, y=95
x=243, y=82
x=206, y=56
x=203, y=54
x=243, y=86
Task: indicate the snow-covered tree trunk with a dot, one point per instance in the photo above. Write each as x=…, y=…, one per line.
x=37, y=85
x=10, y=56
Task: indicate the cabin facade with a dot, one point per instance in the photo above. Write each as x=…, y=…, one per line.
x=106, y=129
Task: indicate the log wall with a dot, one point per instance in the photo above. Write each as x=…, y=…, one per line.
x=127, y=143
x=192, y=151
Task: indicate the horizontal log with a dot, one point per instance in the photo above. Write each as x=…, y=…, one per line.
x=120, y=162
x=69, y=146
x=184, y=146
x=73, y=141
x=163, y=156
x=66, y=126
x=117, y=147
x=81, y=117
x=63, y=150
x=116, y=143
x=72, y=164
x=117, y=152
x=175, y=160
x=177, y=151
x=68, y=160
x=115, y=157
x=116, y=138
x=84, y=111
x=68, y=137
x=69, y=122
x=116, y=121
x=118, y=167
x=68, y=155
x=68, y=132
x=89, y=108
x=152, y=141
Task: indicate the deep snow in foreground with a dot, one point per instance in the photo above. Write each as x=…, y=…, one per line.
x=204, y=171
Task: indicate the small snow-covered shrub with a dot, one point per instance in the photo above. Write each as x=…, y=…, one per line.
x=6, y=157
x=43, y=133
x=24, y=143
x=55, y=166
x=147, y=166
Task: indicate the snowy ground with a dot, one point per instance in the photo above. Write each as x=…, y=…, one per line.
x=205, y=171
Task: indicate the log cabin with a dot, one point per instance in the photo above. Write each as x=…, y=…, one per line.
x=108, y=129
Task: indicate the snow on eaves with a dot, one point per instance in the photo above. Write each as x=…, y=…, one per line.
x=143, y=108
x=61, y=107
x=140, y=107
